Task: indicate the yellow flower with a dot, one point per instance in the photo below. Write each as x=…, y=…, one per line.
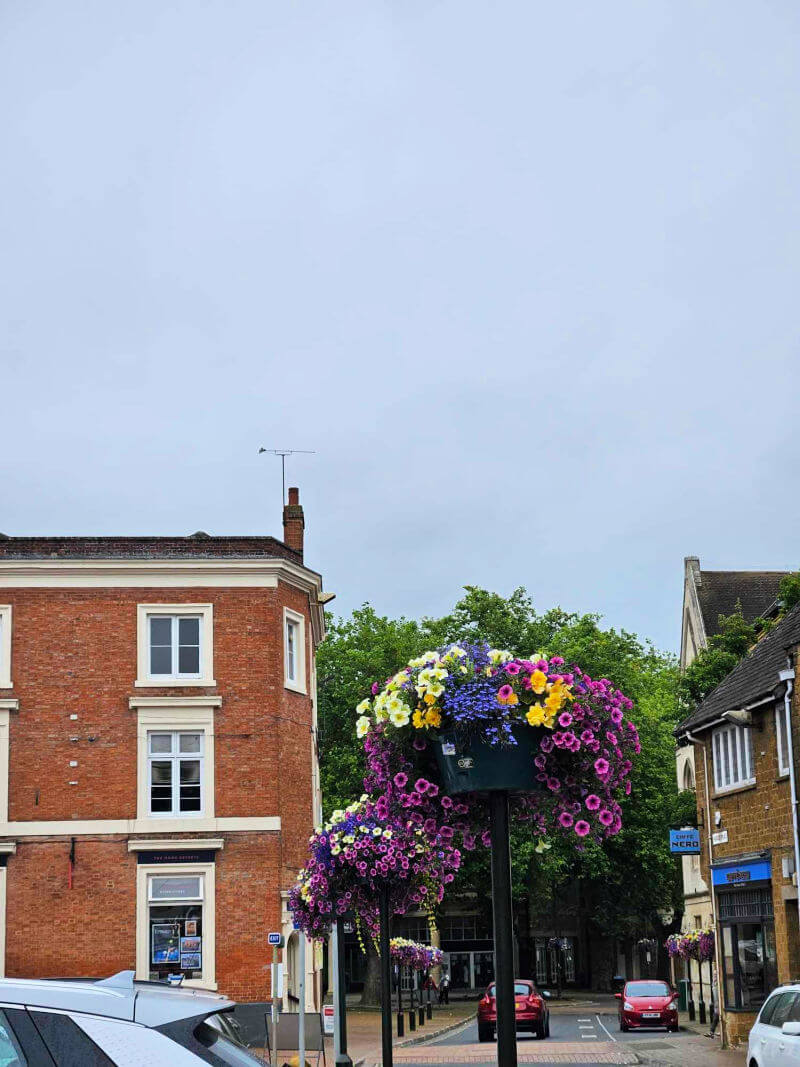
x=433, y=717
x=538, y=681
x=429, y=698
x=418, y=719
x=536, y=715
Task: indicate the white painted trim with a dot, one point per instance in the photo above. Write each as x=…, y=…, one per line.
x=208, y=981
x=172, y=717
x=5, y=646
x=9, y=704
x=175, y=702
x=3, y=876
x=8, y=848
x=4, y=750
x=100, y=827
x=143, y=613
x=297, y=685
x=179, y=844
x=166, y=574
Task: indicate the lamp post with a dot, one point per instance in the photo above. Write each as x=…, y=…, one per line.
x=386, y=980
x=503, y=930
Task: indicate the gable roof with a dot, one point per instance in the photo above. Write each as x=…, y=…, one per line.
x=718, y=593
x=752, y=679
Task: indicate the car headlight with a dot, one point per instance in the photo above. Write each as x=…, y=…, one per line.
x=627, y=1006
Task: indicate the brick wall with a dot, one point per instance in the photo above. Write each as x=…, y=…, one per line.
x=74, y=652
x=757, y=818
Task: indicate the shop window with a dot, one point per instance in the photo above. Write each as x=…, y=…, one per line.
x=175, y=925
x=782, y=738
x=415, y=928
x=5, y=646
x=749, y=960
x=732, y=748
x=175, y=772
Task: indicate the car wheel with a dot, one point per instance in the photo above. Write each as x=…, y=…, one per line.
x=485, y=1033
x=623, y=1027
x=673, y=1029
x=541, y=1030
x=547, y=1026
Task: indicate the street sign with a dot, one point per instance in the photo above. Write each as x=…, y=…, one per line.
x=685, y=842
x=327, y=1018
x=275, y=939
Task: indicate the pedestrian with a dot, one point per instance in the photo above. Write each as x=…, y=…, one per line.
x=444, y=988
x=714, y=1006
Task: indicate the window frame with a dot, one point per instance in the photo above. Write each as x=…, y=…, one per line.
x=739, y=755
x=297, y=682
x=175, y=718
x=782, y=726
x=146, y=612
x=5, y=646
x=175, y=757
x=146, y=871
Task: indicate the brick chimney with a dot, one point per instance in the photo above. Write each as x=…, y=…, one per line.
x=294, y=522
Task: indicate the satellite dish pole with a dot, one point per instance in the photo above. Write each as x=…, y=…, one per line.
x=283, y=453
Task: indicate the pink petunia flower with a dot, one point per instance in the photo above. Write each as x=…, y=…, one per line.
x=601, y=767
x=504, y=692
x=566, y=819
x=582, y=828
x=512, y=668
x=593, y=802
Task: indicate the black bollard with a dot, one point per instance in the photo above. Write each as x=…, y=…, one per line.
x=342, y=1059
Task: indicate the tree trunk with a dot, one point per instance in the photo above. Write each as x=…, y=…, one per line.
x=371, y=996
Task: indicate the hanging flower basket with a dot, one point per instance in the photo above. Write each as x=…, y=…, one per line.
x=694, y=945
x=362, y=852
x=414, y=954
x=468, y=719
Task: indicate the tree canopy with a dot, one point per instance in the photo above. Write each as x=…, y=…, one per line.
x=632, y=876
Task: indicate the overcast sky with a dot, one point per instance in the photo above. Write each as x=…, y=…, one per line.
x=524, y=275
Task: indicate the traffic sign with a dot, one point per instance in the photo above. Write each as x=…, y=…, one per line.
x=275, y=939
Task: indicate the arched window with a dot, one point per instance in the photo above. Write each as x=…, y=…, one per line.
x=688, y=776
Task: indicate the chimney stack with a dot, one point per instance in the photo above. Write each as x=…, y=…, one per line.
x=294, y=522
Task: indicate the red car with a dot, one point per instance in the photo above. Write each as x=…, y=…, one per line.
x=647, y=1003
x=532, y=1011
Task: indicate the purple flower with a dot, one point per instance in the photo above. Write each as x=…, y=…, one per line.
x=601, y=767
x=605, y=817
x=565, y=719
x=582, y=828
x=422, y=785
x=400, y=779
x=593, y=802
x=553, y=784
x=566, y=819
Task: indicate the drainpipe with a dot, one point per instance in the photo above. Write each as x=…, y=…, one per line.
x=787, y=676
x=723, y=1022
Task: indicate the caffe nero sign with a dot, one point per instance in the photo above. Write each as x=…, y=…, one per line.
x=685, y=842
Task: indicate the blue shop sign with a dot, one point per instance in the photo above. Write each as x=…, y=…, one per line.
x=742, y=873
x=687, y=842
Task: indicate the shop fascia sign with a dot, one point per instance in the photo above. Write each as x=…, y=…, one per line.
x=685, y=842
x=733, y=874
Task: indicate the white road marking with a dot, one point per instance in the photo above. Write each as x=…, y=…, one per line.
x=585, y=1021
x=609, y=1034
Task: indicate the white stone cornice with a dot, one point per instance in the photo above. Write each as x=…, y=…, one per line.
x=165, y=844
x=175, y=702
x=9, y=704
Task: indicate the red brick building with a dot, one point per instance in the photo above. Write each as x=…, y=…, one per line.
x=158, y=776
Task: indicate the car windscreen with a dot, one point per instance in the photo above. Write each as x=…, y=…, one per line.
x=647, y=989
x=521, y=989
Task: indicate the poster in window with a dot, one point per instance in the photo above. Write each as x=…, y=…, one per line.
x=190, y=961
x=190, y=944
x=190, y=927
x=166, y=942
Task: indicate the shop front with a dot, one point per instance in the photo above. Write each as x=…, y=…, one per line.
x=745, y=913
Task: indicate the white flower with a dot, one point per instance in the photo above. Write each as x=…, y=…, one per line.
x=542, y=846
x=499, y=655
x=362, y=726
x=438, y=673
x=365, y=707
x=400, y=718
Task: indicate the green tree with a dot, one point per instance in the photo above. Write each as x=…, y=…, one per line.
x=725, y=649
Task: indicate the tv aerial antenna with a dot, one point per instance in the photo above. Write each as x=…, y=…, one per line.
x=283, y=453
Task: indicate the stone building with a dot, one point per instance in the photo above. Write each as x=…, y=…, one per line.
x=745, y=737
x=158, y=770
x=706, y=596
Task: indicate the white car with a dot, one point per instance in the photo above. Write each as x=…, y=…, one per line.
x=116, y=1022
x=775, y=1037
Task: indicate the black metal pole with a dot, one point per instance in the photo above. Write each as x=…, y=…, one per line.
x=503, y=930
x=342, y=1058
x=400, y=1017
x=429, y=1008
x=421, y=1006
x=386, y=981
x=691, y=994
x=702, y=1004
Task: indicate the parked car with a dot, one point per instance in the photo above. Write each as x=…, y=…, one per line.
x=116, y=1022
x=647, y=1003
x=775, y=1036
x=531, y=1007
